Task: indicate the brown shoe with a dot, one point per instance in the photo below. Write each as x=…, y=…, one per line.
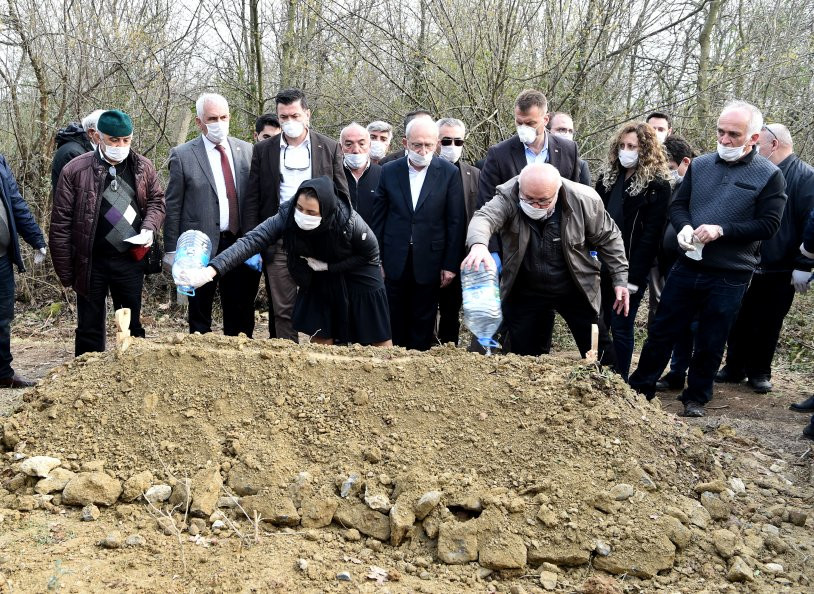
x=15, y=381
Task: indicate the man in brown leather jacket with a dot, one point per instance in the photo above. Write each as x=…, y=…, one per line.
x=552, y=230
x=103, y=198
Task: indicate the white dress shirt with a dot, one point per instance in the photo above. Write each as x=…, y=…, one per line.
x=213, y=155
x=296, y=156
x=416, y=181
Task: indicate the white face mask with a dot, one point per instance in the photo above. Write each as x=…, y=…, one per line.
x=419, y=160
x=115, y=154
x=293, y=129
x=306, y=222
x=378, y=149
x=730, y=153
x=537, y=213
x=527, y=134
x=355, y=161
x=662, y=136
x=451, y=153
x=217, y=132
x=628, y=158
x=567, y=135
x=678, y=178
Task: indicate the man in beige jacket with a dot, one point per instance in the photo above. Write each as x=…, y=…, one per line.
x=553, y=232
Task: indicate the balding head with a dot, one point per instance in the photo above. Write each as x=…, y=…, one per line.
x=421, y=125
x=355, y=130
x=539, y=185
x=775, y=143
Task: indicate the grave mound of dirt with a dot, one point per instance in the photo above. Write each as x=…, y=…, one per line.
x=516, y=464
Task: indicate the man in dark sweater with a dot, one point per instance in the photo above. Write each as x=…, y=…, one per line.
x=727, y=204
x=362, y=174
x=783, y=270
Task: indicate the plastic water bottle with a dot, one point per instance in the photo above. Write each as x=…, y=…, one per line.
x=481, y=297
x=191, y=253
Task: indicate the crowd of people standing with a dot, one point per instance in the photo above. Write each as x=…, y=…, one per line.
x=359, y=244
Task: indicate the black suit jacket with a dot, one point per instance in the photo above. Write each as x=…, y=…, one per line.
x=436, y=226
x=392, y=156
x=507, y=159
x=263, y=188
x=470, y=177
x=584, y=173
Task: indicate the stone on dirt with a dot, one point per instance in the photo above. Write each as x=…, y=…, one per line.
x=275, y=509
x=205, y=490
x=55, y=481
x=91, y=487
x=739, y=571
x=90, y=513
x=39, y=465
x=426, y=503
x=458, y=542
x=503, y=551
x=136, y=485
x=364, y=519
x=318, y=512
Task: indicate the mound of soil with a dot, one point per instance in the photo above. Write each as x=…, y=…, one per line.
x=442, y=471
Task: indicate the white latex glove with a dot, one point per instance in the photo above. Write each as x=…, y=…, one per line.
x=632, y=289
x=151, y=235
x=39, y=255
x=315, y=265
x=167, y=261
x=799, y=280
x=685, y=239
x=197, y=277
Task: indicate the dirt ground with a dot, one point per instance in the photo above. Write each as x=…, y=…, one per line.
x=529, y=455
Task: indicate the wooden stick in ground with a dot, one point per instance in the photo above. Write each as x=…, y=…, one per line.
x=123, y=338
x=593, y=354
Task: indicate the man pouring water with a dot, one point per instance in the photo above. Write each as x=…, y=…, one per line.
x=553, y=233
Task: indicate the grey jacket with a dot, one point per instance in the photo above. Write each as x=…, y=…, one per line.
x=192, y=200
x=585, y=227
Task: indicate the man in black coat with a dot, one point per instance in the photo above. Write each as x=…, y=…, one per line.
x=419, y=220
x=782, y=271
x=73, y=140
x=279, y=165
x=562, y=124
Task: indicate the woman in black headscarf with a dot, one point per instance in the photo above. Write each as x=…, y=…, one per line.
x=334, y=258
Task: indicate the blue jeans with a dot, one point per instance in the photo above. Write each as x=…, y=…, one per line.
x=623, y=334
x=716, y=299
x=6, y=314
x=682, y=351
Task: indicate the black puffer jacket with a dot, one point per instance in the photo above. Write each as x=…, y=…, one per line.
x=71, y=141
x=642, y=223
x=343, y=240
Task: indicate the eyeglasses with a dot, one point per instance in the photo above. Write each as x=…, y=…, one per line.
x=769, y=130
x=447, y=141
x=294, y=167
x=538, y=202
x=114, y=184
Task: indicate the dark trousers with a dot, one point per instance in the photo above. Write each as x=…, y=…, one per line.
x=715, y=299
x=621, y=326
x=238, y=290
x=272, y=323
x=528, y=321
x=123, y=278
x=753, y=338
x=682, y=351
x=450, y=299
x=6, y=315
x=413, y=307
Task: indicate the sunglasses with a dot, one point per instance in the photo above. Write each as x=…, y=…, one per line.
x=447, y=141
x=297, y=166
x=769, y=130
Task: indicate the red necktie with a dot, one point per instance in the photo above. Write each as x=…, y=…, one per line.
x=231, y=193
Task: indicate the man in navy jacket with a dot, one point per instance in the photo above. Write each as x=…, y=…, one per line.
x=419, y=220
x=14, y=218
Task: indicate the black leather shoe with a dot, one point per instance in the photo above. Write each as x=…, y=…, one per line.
x=725, y=376
x=760, y=384
x=808, y=431
x=806, y=405
x=670, y=381
x=15, y=381
x=693, y=409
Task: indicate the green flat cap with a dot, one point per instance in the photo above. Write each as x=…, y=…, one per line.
x=115, y=123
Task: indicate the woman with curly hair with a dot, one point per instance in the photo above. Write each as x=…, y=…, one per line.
x=634, y=185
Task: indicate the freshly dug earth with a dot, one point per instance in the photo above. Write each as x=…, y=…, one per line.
x=272, y=467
